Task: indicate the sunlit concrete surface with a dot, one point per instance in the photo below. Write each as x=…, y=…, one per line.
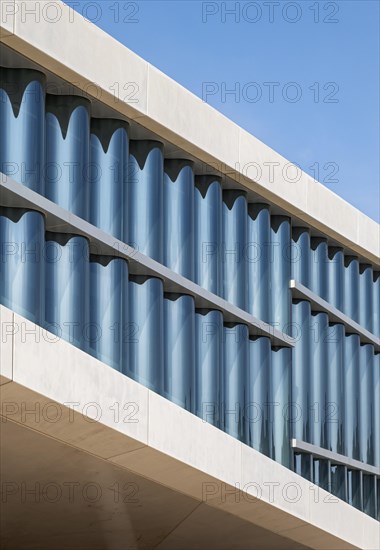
x=157, y=475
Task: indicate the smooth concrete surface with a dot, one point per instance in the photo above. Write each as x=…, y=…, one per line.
x=58, y=219
x=52, y=36
x=60, y=396
x=76, y=500
x=7, y=17
x=6, y=343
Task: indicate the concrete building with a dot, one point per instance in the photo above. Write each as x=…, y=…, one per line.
x=189, y=324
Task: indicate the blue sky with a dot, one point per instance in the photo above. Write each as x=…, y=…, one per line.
x=305, y=74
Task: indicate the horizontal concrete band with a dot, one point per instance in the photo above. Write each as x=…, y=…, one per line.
x=301, y=292
x=335, y=458
x=14, y=194
x=174, y=114
x=136, y=429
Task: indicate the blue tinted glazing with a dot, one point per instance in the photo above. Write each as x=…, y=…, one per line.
x=257, y=395
x=354, y=488
x=301, y=353
x=143, y=223
x=208, y=233
x=318, y=379
x=109, y=328
x=365, y=408
x=146, y=343
x=301, y=255
x=179, y=352
x=22, y=236
x=376, y=410
x=319, y=259
x=280, y=405
x=280, y=272
x=338, y=481
x=351, y=287
x=335, y=402
x=366, y=296
x=321, y=473
x=179, y=217
x=259, y=261
x=22, y=128
x=67, y=287
x=369, y=495
x=376, y=303
x=67, y=153
x=235, y=364
x=108, y=175
x=208, y=364
x=234, y=248
x=335, y=279
x=351, y=395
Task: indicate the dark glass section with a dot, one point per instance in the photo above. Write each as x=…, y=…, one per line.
x=208, y=365
x=22, y=247
x=208, y=233
x=67, y=288
x=22, y=128
x=179, y=349
x=179, y=217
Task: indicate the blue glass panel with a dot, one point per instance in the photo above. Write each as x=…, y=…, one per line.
x=365, y=403
x=351, y=395
x=280, y=405
x=146, y=348
x=354, y=489
x=338, y=481
x=376, y=303
x=351, y=287
x=179, y=217
x=67, y=153
x=67, y=287
x=235, y=364
x=301, y=255
x=335, y=398
x=301, y=316
x=108, y=175
x=321, y=474
x=22, y=241
x=281, y=272
x=319, y=261
x=179, y=354
x=259, y=261
x=318, y=379
x=143, y=226
x=335, y=281
x=369, y=495
x=109, y=328
x=366, y=296
x=234, y=248
x=208, y=371
x=208, y=233
x=22, y=128
x=258, y=395
x=376, y=409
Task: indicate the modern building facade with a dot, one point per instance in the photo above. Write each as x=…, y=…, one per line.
x=217, y=328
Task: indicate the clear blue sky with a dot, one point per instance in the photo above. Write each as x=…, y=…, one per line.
x=322, y=58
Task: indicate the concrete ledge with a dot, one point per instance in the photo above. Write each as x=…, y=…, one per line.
x=301, y=292
x=335, y=458
x=59, y=220
x=161, y=105
x=167, y=445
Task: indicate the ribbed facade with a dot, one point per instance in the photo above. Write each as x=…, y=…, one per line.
x=324, y=390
